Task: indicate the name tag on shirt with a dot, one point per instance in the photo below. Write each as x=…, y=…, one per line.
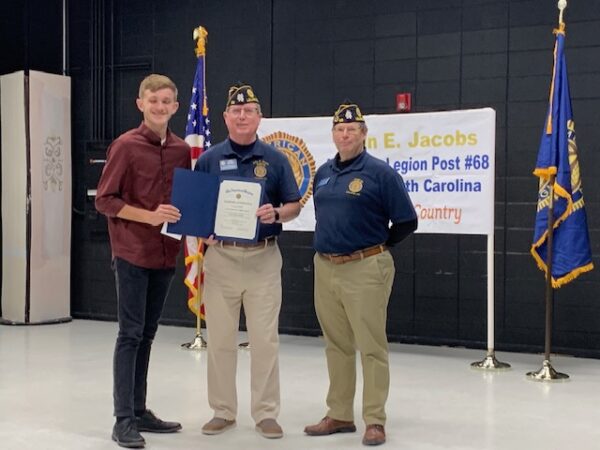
x=228, y=164
x=323, y=182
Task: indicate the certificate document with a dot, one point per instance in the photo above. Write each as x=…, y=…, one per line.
x=209, y=204
x=236, y=209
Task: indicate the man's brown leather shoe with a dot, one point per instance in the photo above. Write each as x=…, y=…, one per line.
x=374, y=435
x=327, y=425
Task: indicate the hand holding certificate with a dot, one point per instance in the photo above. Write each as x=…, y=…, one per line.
x=211, y=205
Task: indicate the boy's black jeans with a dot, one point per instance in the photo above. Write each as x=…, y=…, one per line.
x=141, y=295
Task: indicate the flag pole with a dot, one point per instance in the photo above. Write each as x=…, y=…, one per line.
x=199, y=343
x=547, y=372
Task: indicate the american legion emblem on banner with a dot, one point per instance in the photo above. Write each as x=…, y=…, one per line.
x=301, y=160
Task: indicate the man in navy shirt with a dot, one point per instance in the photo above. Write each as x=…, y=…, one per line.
x=356, y=196
x=237, y=273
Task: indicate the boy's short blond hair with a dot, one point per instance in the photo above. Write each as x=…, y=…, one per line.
x=154, y=82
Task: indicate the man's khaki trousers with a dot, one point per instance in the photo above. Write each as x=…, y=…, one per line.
x=234, y=276
x=351, y=302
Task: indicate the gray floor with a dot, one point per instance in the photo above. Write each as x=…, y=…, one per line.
x=55, y=393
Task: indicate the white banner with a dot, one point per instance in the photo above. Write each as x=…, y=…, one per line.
x=446, y=159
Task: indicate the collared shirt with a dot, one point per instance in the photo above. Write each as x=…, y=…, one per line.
x=139, y=173
x=256, y=162
x=355, y=204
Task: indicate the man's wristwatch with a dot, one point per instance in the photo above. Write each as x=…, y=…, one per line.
x=276, y=215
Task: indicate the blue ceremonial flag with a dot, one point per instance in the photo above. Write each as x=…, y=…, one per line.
x=571, y=252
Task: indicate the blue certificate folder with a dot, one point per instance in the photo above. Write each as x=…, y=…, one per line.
x=196, y=195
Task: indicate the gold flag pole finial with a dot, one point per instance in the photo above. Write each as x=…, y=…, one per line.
x=200, y=34
x=562, y=5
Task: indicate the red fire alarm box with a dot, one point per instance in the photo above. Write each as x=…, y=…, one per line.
x=403, y=102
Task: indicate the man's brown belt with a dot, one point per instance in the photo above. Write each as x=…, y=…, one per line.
x=260, y=244
x=359, y=254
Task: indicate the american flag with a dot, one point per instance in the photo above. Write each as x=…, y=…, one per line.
x=197, y=135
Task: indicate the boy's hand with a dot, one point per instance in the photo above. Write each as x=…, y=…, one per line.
x=164, y=213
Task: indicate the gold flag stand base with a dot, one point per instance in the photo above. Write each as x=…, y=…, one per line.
x=197, y=344
x=547, y=373
x=490, y=363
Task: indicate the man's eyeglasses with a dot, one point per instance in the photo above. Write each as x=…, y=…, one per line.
x=247, y=110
